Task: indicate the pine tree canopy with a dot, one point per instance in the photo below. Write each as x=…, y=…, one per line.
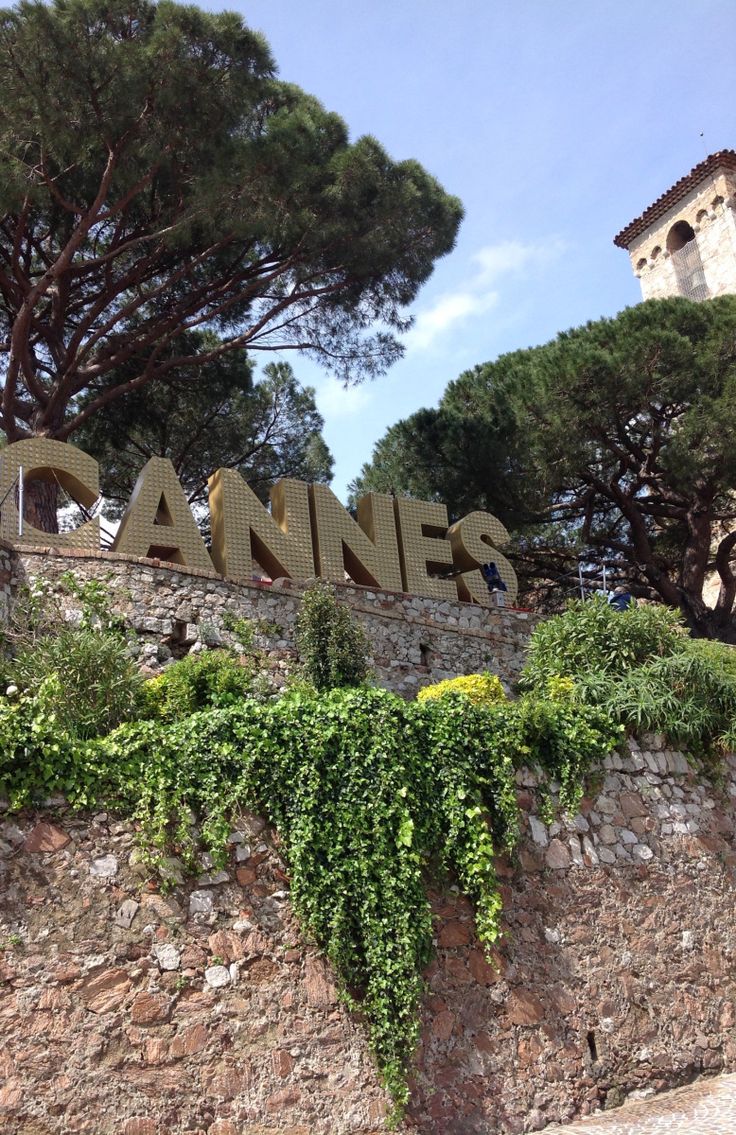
x=611, y=446
x=158, y=181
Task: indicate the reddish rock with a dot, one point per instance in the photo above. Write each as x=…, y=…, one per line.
x=52, y=998
x=11, y=1095
x=162, y=908
x=728, y=1016
x=226, y=945
x=189, y=1040
x=256, y=944
x=563, y=1001
x=46, y=838
x=443, y=1024
x=150, y=1008
x=193, y=957
x=504, y=867
x=156, y=1050
x=226, y=1081
x=456, y=970
x=529, y=1049
x=245, y=876
x=631, y=805
x=557, y=856
x=524, y=1008
x=481, y=969
x=282, y=1062
x=454, y=934
x=106, y=991
x=140, y=1125
x=286, y=1097
x=261, y=971
x=319, y=988
x=530, y=860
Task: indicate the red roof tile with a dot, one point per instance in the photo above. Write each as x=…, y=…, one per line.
x=722, y=159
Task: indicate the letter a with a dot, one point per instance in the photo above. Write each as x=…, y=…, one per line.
x=158, y=521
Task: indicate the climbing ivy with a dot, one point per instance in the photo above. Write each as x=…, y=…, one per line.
x=373, y=798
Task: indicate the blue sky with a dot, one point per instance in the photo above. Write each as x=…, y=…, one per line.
x=555, y=121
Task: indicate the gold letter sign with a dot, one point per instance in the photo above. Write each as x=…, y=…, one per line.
x=158, y=521
x=394, y=545
x=472, y=540
x=368, y=550
x=60, y=463
x=243, y=530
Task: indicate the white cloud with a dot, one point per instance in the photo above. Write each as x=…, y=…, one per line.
x=337, y=401
x=480, y=293
x=448, y=312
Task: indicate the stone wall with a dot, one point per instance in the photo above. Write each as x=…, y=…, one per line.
x=126, y=1012
x=415, y=640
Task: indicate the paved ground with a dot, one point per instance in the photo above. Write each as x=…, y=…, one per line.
x=705, y=1108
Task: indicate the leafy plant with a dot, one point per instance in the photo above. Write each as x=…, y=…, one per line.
x=79, y=670
x=198, y=681
x=94, y=601
x=640, y=668
x=333, y=647
x=37, y=757
x=98, y=685
x=371, y=795
x=682, y=695
x=482, y=689
x=591, y=637
x=242, y=630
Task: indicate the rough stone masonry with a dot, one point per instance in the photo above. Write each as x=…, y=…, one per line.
x=415, y=640
x=205, y=1011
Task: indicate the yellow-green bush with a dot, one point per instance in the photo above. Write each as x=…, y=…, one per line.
x=481, y=689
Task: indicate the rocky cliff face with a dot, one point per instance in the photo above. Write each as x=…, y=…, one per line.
x=124, y=1011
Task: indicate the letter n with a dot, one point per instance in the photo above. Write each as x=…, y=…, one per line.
x=243, y=530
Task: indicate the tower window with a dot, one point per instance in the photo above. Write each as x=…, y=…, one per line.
x=683, y=248
x=679, y=235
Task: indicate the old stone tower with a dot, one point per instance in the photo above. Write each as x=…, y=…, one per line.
x=684, y=244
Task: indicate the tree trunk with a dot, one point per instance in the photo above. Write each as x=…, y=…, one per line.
x=40, y=503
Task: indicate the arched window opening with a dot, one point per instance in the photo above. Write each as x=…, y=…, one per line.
x=641, y=264
x=683, y=248
x=679, y=235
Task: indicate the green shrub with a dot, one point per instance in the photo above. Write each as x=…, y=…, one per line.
x=683, y=696
x=213, y=678
x=591, y=637
x=98, y=687
x=720, y=656
x=641, y=668
x=333, y=648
